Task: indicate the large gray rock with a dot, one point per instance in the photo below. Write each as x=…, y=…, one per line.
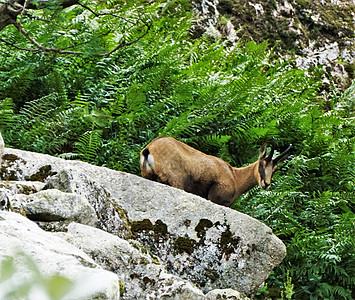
x=212, y=246
x=143, y=276
x=54, y=205
x=52, y=256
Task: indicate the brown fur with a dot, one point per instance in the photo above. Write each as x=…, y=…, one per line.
x=172, y=162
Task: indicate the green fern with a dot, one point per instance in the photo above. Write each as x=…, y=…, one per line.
x=88, y=144
x=6, y=112
x=16, y=82
x=38, y=110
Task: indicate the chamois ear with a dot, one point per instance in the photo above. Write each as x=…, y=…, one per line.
x=269, y=157
x=282, y=156
x=263, y=149
x=262, y=153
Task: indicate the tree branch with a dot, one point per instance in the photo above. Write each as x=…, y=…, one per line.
x=17, y=47
x=105, y=14
x=40, y=46
x=27, y=14
x=62, y=51
x=12, y=8
x=41, y=4
x=124, y=44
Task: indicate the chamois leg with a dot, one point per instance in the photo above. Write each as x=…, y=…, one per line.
x=219, y=194
x=170, y=180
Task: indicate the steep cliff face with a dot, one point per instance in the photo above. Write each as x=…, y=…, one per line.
x=316, y=33
x=157, y=239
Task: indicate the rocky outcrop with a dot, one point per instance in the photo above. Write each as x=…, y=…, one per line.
x=158, y=240
x=52, y=255
x=316, y=33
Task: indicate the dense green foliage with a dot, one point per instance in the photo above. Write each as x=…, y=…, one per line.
x=223, y=99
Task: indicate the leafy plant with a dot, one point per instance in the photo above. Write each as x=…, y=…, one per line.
x=288, y=286
x=88, y=144
x=6, y=113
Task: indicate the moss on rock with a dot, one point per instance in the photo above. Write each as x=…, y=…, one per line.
x=202, y=227
x=42, y=174
x=228, y=242
x=184, y=244
x=140, y=226
x=160, y=228
x=9, y=170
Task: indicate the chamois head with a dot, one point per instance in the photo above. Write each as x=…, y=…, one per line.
x=268, y=166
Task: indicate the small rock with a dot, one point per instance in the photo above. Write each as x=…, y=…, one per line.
x=226, y=294
x=54, y=205
x=171, y=287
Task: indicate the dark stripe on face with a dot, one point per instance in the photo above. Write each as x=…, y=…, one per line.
x=262, y=170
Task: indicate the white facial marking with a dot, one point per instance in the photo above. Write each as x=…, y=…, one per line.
x=148, y=164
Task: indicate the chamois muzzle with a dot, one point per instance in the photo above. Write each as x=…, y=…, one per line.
x=264, y=185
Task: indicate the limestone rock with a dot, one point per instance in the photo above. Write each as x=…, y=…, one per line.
x=211, y=246
x=10, y=188
x=22, y=187
x=171, y=287
x=52, y=255
x=226, y=294
x=54, y=205
x=319, y=33
x=136, y=269
x=73, y=179
x=143, y=275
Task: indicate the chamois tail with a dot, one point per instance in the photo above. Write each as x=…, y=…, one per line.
x=147, y=161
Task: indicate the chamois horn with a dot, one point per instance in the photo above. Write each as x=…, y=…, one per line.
x=283, y=155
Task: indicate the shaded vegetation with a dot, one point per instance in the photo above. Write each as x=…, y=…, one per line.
x=225, y=100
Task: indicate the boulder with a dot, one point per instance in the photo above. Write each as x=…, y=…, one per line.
x=20, y=237
x=53, y=205
x=142, y=274
x=40, y=256
x=210, y=246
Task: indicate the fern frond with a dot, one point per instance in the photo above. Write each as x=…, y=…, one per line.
x=38, y=110
x=6, y=112
x=88, y=144
x=16, y=82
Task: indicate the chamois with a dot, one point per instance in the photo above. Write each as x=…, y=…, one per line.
x=174, y=163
